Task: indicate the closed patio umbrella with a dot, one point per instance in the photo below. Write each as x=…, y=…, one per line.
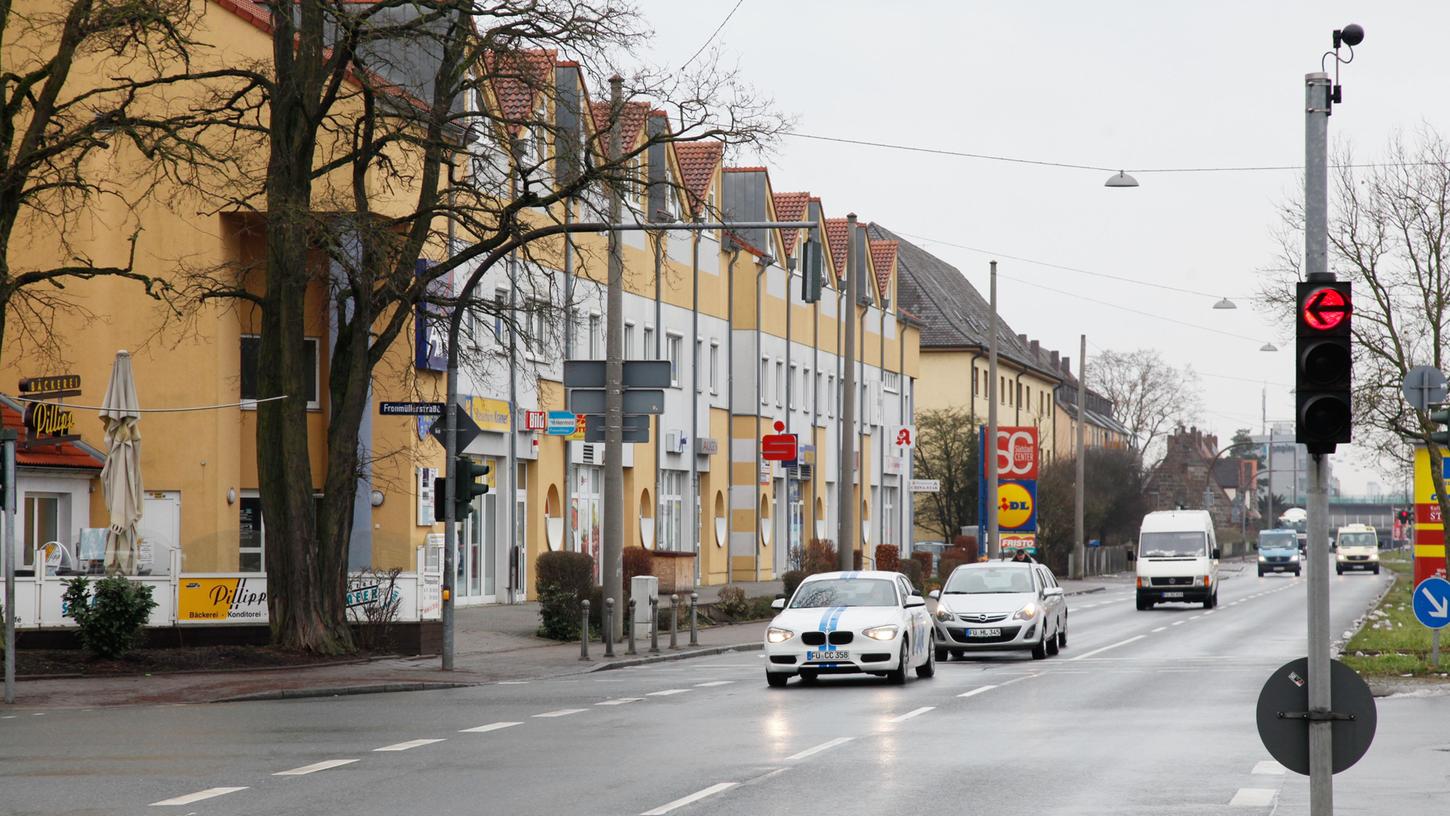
x=121, y=476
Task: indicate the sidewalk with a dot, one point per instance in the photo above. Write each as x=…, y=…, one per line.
x=493, y=643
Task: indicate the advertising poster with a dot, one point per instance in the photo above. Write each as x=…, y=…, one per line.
x=221, y=600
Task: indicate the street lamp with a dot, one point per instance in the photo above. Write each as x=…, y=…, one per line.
x=1268, y=347
x=1121, y=180
x=1225, y=304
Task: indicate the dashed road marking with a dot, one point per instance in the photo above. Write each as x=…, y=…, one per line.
x=1253, y=797
x=915, y=712
x=825, y=746
x=1179, y=623
x=484, y=729
x=513, y=682
x=718, y=787
x=666, y=692
x=620, y=701
x=1269, y=767
x=324, y=765
x=978, y=690
x=1109, y=646
x=713, y=683
x=562, y=712
x=209, y=793
x=407, y=746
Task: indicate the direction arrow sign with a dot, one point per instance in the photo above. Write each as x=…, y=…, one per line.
x=410, y=408
x=636, y=401
x=1432, y=602
x=560, y=423
x=1324, y=309
x=465, y=433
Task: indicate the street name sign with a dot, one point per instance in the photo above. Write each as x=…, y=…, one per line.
x=410, y=408
x=560, y=423
x=636, y=401
x=1283, y=715
x=637, y=374
x=636, y=429
x=1424, y=386
x=466, y=431
x=925, y=485
x=1432, y=602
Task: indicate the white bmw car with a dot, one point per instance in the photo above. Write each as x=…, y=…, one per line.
x=850, y=622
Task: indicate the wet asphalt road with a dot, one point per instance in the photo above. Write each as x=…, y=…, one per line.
x=1144, y=712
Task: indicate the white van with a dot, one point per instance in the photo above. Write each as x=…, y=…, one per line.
x=1356, y=547
x=1177, y=559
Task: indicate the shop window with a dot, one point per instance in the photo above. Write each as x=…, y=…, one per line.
x=42, y=524
x=670, y=530
x=252, y=538
x=251, y=354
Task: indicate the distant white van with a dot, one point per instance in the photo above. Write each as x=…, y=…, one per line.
x=1177, y=559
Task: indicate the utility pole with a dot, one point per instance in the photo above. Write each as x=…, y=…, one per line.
x=846, y=520
x=612, y=557
x=1316, y=267
x=7, y=472
x=989, y=452
x=1079, y=550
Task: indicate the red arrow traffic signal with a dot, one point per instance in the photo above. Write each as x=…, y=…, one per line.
x=1325, y=308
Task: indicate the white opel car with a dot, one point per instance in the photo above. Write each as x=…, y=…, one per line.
x=1002, y=605
x=850, y=622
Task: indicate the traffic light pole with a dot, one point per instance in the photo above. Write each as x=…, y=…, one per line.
x=1316, y=267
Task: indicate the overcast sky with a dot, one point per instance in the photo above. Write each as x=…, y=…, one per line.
x=1135, y=85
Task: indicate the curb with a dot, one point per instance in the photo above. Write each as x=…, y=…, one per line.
x=340, y=691
x=667, y=657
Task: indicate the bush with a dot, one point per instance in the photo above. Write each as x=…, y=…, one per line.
x=636, y=562
x=857, y=560
x=732, y=603
x=820, y=556
x=110, y=618
x=949, y=563
x=924, y=560
x=792, y=580
x=913, y=571
x=565, y=579
x=888, y=557
x=965, y=547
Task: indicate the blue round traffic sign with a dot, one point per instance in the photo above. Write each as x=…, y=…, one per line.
x=1432, y=602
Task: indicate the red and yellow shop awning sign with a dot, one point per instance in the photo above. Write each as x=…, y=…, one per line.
x=1429, y=526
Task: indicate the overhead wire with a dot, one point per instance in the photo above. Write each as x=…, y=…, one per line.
x=713, y=35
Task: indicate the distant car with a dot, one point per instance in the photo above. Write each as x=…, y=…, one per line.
x=1356, y=548
x=936, y=548
x=1000, y=605
x=869, y=622
x=1279, y=552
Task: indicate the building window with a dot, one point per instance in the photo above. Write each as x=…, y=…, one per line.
x=806, y=383
x=672, y=510
x=831, y=395
x=795, y=386
x=1019, y=394
x=975, y=389
x=536, y=327
x=820, y=380
x=779, y=383
x=714, y=366
x=251, y=353
x=500, y=314
x=249, y=547
x=629, y=349
x=649, y=344
x=890, y=521
x=596, y=338
x=673, y=350
x=764, y=380
x=891, y=381
x=695, y=363
x=42, y=524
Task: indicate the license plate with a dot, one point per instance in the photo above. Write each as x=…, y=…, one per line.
x=1280, y=569
x=984, y=633
x=1173, y=594
x=828, y=655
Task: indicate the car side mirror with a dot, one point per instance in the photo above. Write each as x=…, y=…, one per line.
x=913, y=601
x=778, y=603
x=935, y=594
x=1052, y=592
x=1217, y=553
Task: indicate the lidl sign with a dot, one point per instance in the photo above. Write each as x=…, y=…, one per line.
x=1017, y=506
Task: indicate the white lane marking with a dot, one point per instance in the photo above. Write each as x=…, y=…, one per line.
x=666, y=692
x=1179, y=623
x=315, y=767
x=620, y=701
x=1269, y=767
x=513, y=682
x=484, y=729
x=825, y=746
x=1209, y=612
x=38, y=714
x=209, y=793
x=1196, y=617
x=1159, y=629
x=1109, y=646
x=691, y=799
x=409, y=745
x=563, y=712
x=1253, y=797
x=978, y=690
x=915, y=712
x=714, y=683
x=9, y=716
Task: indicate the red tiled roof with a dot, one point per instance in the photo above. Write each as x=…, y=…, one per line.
x=790, y=207
x=516, y=77
x=836, y=232
x=631, y=122
x=697, y=161
x=64, y=455
x=883, y=258
x=756, y=169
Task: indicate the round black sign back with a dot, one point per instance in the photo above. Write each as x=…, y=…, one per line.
x=1287, y=693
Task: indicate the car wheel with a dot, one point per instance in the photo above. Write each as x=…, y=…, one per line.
x=1039, y=652
x=776, y=679
x=1339, y=570
x=808, y=676
x=1297, y=573
x=1376, y=570
x=941, y=652
x=1051, y=644
x=897, y=676
x=1062, y=637
x=959, y=654
x=1261, y=572
x=1143, y=604
x=928, y=669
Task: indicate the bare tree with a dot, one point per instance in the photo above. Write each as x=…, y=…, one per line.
x=1389, y=235
x=1149, y=395
x=946, y=450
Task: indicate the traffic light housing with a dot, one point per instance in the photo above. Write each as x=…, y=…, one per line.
x=1402, y=516
x=467, y=472
x=1440, y=417
x=810, y=271
x=1323, y=365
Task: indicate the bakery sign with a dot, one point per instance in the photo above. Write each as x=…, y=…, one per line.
x=46, y=422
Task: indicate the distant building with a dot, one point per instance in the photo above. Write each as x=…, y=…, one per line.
x=1286, y=464
x=1184, y=479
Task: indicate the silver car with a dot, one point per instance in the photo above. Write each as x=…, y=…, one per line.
x=1002, y=605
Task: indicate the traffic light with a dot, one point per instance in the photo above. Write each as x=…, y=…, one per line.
x=466, y=471
x=1323, y=366
x=810, y=271
x=1440, y=417
x=1402, y=516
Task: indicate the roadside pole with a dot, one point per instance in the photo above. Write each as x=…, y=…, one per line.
x=989, y=455
x=7, y=444
x=846, y=504
x=612, y=556
x=1079, y=528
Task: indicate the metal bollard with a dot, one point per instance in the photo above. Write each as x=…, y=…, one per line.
x=584, y=633
x=609, y=627
x=630, y=650
x=654, y=625
x=674, y=620
x=694, y=622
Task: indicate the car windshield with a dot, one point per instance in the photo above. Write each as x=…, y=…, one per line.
x=844, y=592
x=1168, y=545
x=988, y=581
x=1357, y=540
x=1285, y=540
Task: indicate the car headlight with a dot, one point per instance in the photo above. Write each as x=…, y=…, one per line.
x=1374, y=556
x=1263, y=557
x=1027, y=612
x=777, y=635
x=880, y=632
x=1294, y=557
x=943, y=614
